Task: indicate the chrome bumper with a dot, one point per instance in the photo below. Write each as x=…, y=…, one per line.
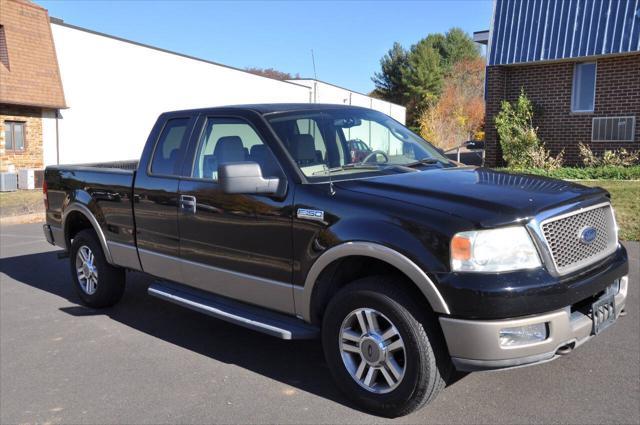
x=475, y=344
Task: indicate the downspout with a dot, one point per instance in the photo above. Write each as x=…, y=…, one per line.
x=57, y=138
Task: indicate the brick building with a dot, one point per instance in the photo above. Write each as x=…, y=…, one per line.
x=30, y=86
x=579, y=63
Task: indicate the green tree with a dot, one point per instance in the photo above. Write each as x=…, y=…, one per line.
x=414, y=78
x=388, y=82
x=423, y=76
x=457, y=46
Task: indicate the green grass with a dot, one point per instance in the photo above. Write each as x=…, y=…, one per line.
x=21, y=202
x=625, y=196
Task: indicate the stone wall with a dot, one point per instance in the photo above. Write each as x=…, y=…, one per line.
x=31, y=156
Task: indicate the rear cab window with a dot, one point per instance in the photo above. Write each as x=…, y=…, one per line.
x=170, y=149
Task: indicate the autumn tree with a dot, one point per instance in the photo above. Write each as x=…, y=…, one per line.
x=271, y=73
x=459, y=111
x=415, y=78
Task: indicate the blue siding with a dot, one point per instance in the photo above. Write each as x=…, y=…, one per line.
x=540, y=30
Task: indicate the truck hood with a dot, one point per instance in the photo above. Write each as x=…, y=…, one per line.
x=483, y=196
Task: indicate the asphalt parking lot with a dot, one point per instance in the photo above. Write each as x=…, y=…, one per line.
x=147, y=361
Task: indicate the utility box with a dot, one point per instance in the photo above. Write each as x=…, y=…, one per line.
x=8, y=182
x=38, y=178
x=26, y=179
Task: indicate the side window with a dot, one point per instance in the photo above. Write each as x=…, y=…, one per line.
x=584, y=87
x=170, y=149
x=227, y=140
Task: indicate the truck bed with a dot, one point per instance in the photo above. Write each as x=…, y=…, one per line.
x=104, y=188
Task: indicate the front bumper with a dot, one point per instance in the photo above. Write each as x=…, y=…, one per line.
x=475, y=344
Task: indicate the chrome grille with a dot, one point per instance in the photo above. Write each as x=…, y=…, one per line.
x=564, y=237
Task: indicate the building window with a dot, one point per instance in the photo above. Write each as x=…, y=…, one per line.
x=584, y=87
x=14, y=136
x=4, y=52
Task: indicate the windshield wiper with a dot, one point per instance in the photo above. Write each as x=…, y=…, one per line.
x=351, y=166
x=423, y=161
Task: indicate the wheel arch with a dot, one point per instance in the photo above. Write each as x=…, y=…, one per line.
x=309, y=298
x=74, y=212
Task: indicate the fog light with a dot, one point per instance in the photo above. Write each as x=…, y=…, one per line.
x=522, y=335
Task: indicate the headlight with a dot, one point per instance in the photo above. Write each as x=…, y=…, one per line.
x=495, y=250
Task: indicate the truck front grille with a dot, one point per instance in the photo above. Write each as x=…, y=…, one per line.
x=578, y=239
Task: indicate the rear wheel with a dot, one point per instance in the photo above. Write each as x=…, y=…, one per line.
x=97, y=283
x=382, y=349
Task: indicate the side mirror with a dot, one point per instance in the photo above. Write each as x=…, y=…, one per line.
x=475, y=144
x=246, y=177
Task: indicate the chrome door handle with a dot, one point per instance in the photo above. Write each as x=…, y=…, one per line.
x=188, y=203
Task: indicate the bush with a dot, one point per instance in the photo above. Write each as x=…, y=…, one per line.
x=608, y=172
x=619, y=157
x=521, y=147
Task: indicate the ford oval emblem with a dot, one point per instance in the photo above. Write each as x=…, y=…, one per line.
x=588, y=235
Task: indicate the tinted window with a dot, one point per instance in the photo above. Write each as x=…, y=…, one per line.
x=170, y=149
x=227, y=140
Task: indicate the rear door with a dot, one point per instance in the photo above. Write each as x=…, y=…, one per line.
x=156, y=195
x=234, y=245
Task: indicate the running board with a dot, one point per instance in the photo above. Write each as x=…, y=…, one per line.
x=248, y=316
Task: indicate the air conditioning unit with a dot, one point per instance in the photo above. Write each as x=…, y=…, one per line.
x=26, y=179
x=8, y=182
x=38, y=178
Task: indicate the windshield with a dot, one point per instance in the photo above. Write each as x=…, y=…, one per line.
x=351, y=141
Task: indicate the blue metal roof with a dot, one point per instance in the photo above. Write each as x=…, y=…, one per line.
x=542, y=30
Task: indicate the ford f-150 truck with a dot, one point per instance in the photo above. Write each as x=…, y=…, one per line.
x=407, y=265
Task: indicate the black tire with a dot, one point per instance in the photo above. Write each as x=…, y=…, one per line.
x=426, y=361
x=110, y=280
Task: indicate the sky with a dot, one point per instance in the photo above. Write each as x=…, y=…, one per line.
x=348, y=38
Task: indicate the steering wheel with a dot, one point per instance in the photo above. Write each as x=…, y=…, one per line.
x=373, y=154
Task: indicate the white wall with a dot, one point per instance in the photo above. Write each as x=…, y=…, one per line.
x=115, y=90
x=328, y=93
x=49, y=137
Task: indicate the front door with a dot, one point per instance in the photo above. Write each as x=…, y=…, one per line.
x=237, y=246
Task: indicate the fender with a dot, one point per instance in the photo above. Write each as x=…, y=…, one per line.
x=84, y=210
x=303, y=296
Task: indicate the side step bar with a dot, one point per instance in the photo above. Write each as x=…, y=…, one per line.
x=251, y=317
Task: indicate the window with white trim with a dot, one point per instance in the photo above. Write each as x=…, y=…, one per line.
x=584, y=87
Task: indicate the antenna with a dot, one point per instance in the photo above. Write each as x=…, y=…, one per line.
x=313, y=61
x=332, y=190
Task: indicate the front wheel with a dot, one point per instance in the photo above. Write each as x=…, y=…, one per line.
x=380, y=349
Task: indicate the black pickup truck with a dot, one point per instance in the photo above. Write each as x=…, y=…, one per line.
x=406, y=264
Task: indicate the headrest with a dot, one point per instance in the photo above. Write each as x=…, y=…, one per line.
x=259, y=150
x=303, y=147
x=229, y=149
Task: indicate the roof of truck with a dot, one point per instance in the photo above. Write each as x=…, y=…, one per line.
x=268, y=108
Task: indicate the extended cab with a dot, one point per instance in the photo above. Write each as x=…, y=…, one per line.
x=407, y=264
